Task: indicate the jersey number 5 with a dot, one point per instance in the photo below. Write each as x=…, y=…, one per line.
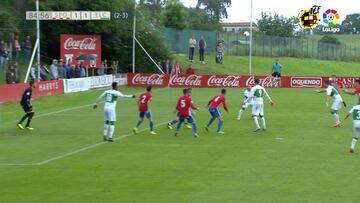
x=182, y=103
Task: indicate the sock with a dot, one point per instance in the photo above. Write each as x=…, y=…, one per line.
x=263, y=122
x=256, y=122
x=138, y=123
x=106, y=128
x=220, y=125
x=240, y=113
x=23, y=118
x=151, y=126
x=210, y=122
x=353, y=143
x=29, y=119
x=336, y=117
x=112, y=129
x=173, y=122
x=179, y=126
x=195, y=128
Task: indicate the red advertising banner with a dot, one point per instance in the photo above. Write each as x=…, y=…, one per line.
x=13, y=92
x=230, y=81
x=72, y=46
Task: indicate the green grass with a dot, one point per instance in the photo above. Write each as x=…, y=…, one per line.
x=310, y=163
x=262, y=66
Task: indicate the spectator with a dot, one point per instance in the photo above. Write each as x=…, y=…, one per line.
x=82, y=70
x=11, y=44
x=54, y=70
x=77, y=71
x=167, y=67
x=27, y=46
x=159, y=66
x=114, y=67
x=101, y=69
x=176, y=69
x=17, y=48
x=33, y=72
x=12, y=74
x=220, y=52
x=3, y=54
x=192, y=44
x=276, y=72
x=61, y=70
x=43, y=72
x=202, y=47
x=190, y=70
x=69, y=71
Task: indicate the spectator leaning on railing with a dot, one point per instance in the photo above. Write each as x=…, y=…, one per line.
x=12, y=74
x=61, y=70
x=44, y=72
x=190, y=70
x=167, y=67
x=54, y=70
x=176, y=69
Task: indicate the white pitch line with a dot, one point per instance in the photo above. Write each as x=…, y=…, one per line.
x=92, y=146
x=69, y=109
x=76, y=151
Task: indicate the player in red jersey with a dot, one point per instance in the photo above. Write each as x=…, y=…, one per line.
x=183, y=107
x=356, y=89
x=214, y=104
x=144, y=100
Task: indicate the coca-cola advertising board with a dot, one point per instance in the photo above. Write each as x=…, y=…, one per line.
x=231, y=81
x=72, y=46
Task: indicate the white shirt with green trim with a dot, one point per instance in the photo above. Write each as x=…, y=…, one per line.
x=111, y=97
x=333, y=93
x=257, y=94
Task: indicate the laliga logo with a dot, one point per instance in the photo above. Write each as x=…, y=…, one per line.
x=331, y=19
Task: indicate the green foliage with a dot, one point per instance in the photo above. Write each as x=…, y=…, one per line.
x=174, y=15
x=199, y=19
x=330, y=39
x=351, y=24
x=276, y=25
x=215, y=8
x=116, y=35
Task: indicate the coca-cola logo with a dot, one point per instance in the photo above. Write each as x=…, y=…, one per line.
x=223, y=81
x=186, y=80
x=264, y=81
x=306, y=82
x=154, y=79
x=88, y=43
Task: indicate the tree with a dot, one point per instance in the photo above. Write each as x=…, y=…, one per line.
x=116, y=35
x=215, y=8
x=329, y=39
x=276, y=25
x=351, y=24
x=200, y=20
x=174, y=15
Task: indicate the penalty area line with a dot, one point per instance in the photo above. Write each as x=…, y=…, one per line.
x=72, y=108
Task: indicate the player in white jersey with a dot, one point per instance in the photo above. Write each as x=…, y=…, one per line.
x=110, y=109
x=247, y=103
x=332, y=92
x=257, y=93
x=355, y=112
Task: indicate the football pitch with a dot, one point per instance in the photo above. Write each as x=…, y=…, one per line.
x=300, y=158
